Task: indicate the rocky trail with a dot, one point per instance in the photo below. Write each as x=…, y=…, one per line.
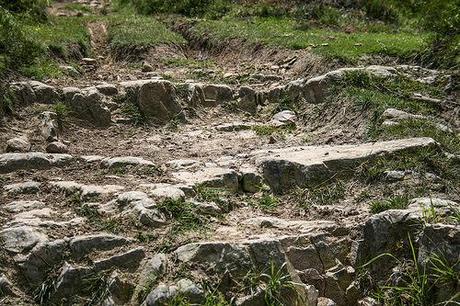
x=121, y=187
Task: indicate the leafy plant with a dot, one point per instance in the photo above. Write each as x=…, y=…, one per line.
x=276, y=282
x=97, y=286
x=413, y=283
x=62, y=111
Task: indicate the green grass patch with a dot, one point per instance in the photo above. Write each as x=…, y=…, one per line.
x=426, y=160
x=66, y=37
x=266, y=202
x=284, y=32
x=396, y=202
x=421, y=128
x=128, y=31
x=323, y=194
x=43, y=68
x=269, y=130
x=184, y=215
x=77, y=7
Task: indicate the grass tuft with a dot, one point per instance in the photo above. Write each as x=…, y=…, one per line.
x=396, y=202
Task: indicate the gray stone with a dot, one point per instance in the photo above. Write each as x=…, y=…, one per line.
x=251, y=180
x=44, y=94
x=49, y=126
x=70, y=70
x=20, y=239
x=217, y=93
x=181, y=164
x=107, y=89
x=144, y=208
x=323, y=301
x=315, y=89
x=395, y=175
x=398, y=115
x=368, y=301
x=257, y=298
x=57, y=147
x=151, y=270
x=146, y=67
x=247, y=99
x=89, y=105
x=69, y=281
x=190, y=290
x=128, y=260
x=23, y=188
x=283, y=118
x=210, y=177
x=221, y=256
x=234, y=127
x=157, y=100
x=208, y=208
x=69, y=92
x=115, y=162
x=22, y=93
x=18, y=144
x=383, y=231
x=20, y=206
x=167, y=192
x=42, y=257
x=284, y=169
x=10, y=162
x=83, y=245
x=161, y=295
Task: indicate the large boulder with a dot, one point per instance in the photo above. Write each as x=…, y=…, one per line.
x=247, y=99
x=157, y=100
x=89, y=105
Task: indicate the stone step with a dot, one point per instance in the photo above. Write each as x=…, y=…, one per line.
x=286, y=168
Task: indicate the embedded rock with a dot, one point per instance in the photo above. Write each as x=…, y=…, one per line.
x=283, y=118
x=57, y=147
x=18, y=144
x=82, y=245
x=116, y=162
x=10, y=162
x=247, y=99
x=210, y=177
x=157, y=100
x=20, y=239
x=89, y=105
x=23, y=188
x=284, y=169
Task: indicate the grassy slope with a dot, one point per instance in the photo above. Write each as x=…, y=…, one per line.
x=129, y=30
x=340, y=45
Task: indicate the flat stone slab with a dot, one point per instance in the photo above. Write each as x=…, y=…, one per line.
x=115, y=162
x=10, y=162
x=300, y=166
x=213, y=177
